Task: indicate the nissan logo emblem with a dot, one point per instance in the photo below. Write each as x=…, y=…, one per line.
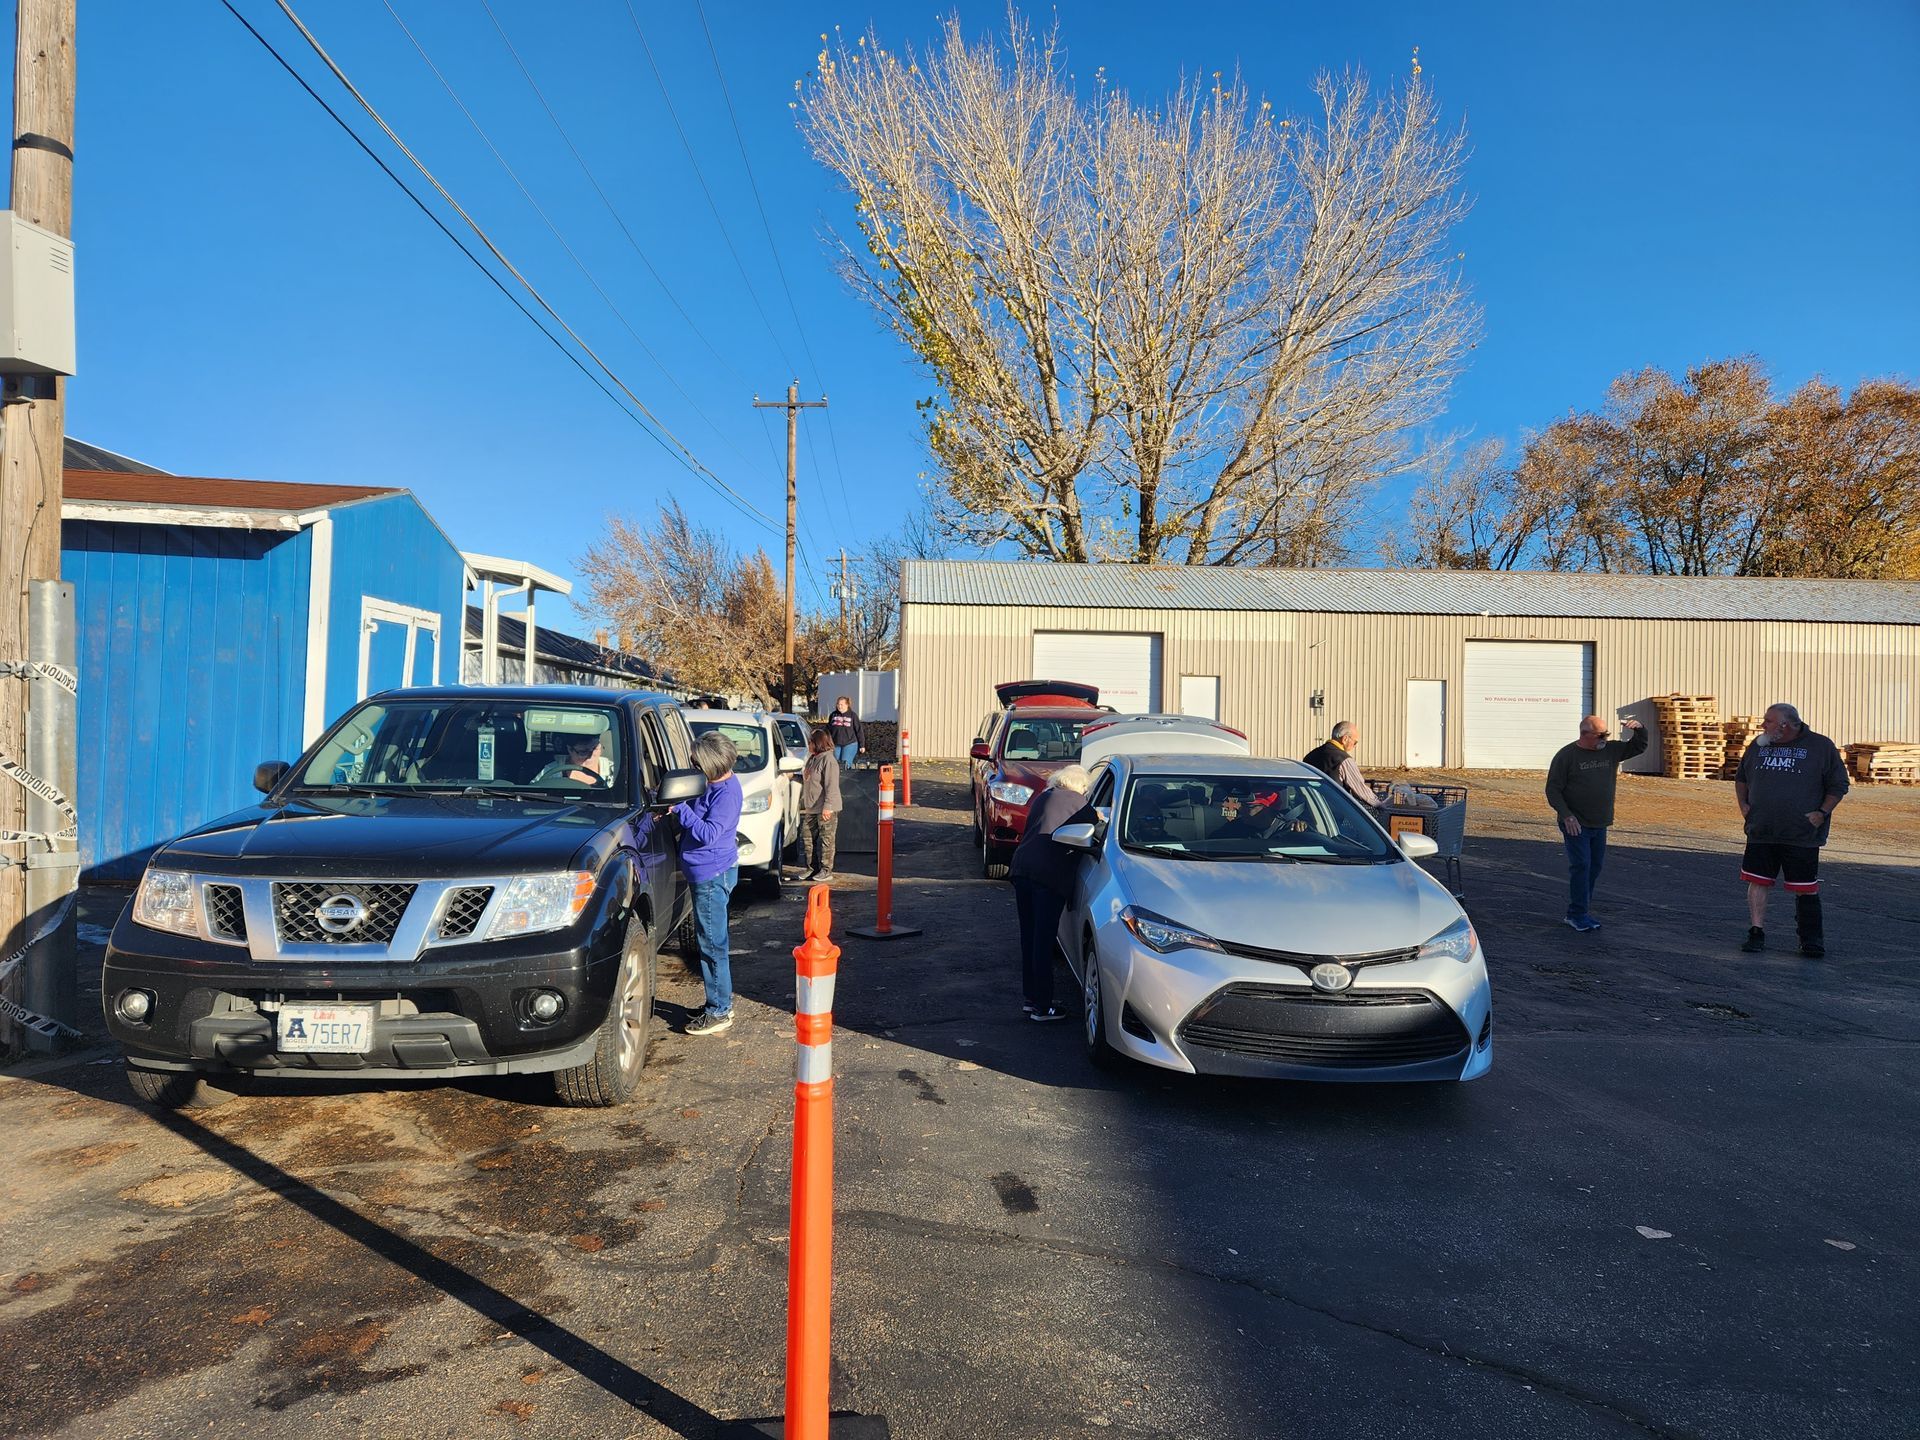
x=340, y=913
x=1331, y=976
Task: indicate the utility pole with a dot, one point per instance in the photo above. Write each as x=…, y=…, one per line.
x=843, y=593
x=32, y=442
x=793, y=405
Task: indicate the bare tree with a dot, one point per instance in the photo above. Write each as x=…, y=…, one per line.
x=1183, y=332
x=1466, y=514
x=711, y=619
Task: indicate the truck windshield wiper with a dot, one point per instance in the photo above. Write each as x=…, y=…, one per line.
x=345, y=787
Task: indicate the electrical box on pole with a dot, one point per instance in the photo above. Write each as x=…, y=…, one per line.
x=36, y=299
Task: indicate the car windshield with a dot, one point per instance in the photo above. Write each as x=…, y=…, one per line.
x=1249, y=817
x=748, y=739
x=1037, y=737
x=487, y=746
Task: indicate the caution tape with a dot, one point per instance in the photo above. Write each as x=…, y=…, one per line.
x=31, y=782
x=41, y=670
x=32, y=1020
x=13, y=961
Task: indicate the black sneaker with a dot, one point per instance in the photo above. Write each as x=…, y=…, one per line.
x=708, y=1023
x=1052, y=1012
x=1756, y=940
x=1028, y=1006
x=1813, y=950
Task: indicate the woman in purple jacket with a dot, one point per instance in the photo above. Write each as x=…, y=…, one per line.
x=710, y=859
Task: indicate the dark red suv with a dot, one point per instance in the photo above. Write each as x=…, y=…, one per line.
x=1034, y=733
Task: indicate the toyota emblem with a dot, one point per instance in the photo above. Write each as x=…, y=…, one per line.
x=340, y=913
x=1331, y=976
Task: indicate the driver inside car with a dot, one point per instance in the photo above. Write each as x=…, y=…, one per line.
x=582, y=764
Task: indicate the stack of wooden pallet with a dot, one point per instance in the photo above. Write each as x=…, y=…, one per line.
x=1737, y=733
x=1694, y=747
x=1885, y=762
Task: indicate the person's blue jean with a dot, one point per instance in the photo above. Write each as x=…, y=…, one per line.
x=846, y=755
x=710, y=938
x=1586, y=853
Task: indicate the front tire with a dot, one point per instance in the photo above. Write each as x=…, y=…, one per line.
x=1093, y=1016
x=994, y=860
x=620, y=1045
x=176, y=1089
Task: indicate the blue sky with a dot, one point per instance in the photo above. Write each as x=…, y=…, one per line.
x=1653, y=185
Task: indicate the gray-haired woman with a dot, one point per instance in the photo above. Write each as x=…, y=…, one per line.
x=710, y=859
x=1042, y=871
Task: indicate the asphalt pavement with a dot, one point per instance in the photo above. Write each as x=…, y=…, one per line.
x=1680, y=1205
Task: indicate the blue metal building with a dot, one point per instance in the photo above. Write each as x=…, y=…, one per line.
x=226, y=622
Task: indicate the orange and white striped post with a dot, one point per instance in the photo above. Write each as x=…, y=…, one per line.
x=883, y=927
x=810, y=1253
x=906, y=769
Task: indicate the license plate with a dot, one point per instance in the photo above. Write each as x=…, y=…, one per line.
x=326, y=1029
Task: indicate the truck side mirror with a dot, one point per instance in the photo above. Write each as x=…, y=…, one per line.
x=269, y=773
x=677, y=786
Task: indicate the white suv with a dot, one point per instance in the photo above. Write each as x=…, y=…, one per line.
x=767, y=819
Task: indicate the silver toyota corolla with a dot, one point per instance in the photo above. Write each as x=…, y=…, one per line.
x=1248, y=917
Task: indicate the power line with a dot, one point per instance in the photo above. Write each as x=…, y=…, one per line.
x=766, y=226
x=573, y=255
x=719, y=220
x=438, y=223
x=605, y=199
x=685, y=455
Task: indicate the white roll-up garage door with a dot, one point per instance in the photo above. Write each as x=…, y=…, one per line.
x=1524, y=700
x=1125, y=667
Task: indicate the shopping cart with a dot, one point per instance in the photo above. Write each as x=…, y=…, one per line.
x=1445, y=823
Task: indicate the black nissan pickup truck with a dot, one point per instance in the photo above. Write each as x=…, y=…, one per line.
x=452, y=882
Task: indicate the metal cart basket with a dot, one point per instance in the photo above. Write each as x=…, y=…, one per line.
x=1445, y=824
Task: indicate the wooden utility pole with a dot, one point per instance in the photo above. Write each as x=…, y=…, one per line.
x=843, y=593
x=793, y=405
x=32, y=413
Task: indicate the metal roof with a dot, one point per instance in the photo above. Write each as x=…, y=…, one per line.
x=560, y=648
x=82, y=456
x=189, y=492
x=1409, y=592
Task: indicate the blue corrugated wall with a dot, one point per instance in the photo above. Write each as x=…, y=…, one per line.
x=192, y=647
x=390, y=549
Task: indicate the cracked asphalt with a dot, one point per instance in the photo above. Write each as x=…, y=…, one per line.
x=1681, y=1204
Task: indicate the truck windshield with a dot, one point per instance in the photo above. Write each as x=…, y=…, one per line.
x=486, y=745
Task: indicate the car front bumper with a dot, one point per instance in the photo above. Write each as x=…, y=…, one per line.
x=1207, y=1012
x=1005, y=823
x=457, y=1010
x=756, y=836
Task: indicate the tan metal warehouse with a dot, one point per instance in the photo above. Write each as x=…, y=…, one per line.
x=1453, y=668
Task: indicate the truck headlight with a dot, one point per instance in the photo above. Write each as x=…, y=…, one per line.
x=757, y=804
x=1008, y=793
x=530, y=904
x=1163, y=935
x=168, y=900
x=1456, y=942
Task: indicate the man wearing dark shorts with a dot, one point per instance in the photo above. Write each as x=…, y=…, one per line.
x=1789, y=782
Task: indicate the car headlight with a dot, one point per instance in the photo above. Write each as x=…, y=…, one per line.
x=532, y=903
x=757, y=804
x=168, y=900
x=1456, y=942
x=1008, y=793
x=1163, y=935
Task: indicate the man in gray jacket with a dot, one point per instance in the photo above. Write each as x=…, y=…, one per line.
x=1788, y=784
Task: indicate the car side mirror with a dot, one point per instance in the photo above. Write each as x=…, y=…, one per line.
x=981, y=751
x=791, y=765
x=1081, y=836
x=678, y=786
x=1416, y=846
x=269, y=773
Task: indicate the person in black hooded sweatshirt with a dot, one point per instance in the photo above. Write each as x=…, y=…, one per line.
x=1042, y=873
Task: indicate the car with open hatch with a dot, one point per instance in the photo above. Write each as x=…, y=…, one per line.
x=1034, y=733
x=452, y=882
x=1241, y=916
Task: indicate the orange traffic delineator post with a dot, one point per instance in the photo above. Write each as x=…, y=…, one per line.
x=883, y=927
x=810, y=1221
x=906, y=769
